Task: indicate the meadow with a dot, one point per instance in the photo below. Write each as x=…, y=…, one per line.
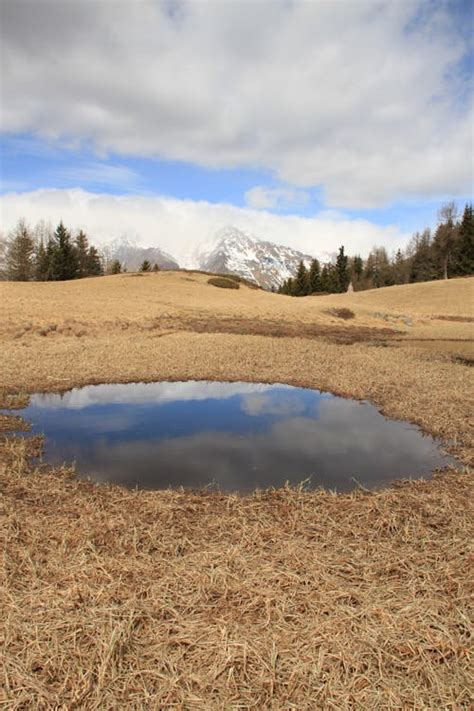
x=285, y=599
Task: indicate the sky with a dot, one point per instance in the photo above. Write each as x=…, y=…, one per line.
x=309, y=123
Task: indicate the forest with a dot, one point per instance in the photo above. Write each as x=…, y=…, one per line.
x=449, y=252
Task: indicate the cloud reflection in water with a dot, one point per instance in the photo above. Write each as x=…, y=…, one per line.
x=238, y=436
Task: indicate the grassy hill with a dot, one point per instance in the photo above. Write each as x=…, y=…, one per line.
x=138, y=296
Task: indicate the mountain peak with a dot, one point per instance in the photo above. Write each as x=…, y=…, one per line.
x=264, y=263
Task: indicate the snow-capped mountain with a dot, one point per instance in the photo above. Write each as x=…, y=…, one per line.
x=131, y=256
x=230, y=251
x=265, y=263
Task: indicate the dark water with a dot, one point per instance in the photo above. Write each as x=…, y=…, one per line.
x=234, y=436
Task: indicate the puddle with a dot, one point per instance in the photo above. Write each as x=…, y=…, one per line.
x=231, y=436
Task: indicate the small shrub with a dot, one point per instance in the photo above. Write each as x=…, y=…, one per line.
x=342, y=313
x=224, y=283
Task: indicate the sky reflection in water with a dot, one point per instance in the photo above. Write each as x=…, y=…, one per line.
x=235, y=436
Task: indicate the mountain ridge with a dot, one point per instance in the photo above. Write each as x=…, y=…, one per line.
x=230, y=251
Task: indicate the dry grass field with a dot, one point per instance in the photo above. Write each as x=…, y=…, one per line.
x=285, y=599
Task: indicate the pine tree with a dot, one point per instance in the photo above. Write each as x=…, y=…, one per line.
x=49, y=260
x=324, y=279
x=20, y=257
x=94, y=263
x=400, y=268
x=356, y=269
x=42, y=265
x=314, y=277
x=329, y=279
x=145, y=266
x=301, y=285
x=463, y=254
x=64, y=260
x=156, y=268
x=342, y=270
x=81, y=244
x=116, y=267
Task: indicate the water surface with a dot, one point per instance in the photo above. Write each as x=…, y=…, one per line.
x=233, y=436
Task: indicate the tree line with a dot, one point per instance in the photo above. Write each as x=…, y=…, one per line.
x=41, y=255
x=449, y=252
x=330, y=279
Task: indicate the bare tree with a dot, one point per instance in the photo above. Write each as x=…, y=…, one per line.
x=446, y=234
x=20, y=254
x=3, y=256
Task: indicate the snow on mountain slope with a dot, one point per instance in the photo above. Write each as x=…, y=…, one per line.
x=130, y=255
x=230, y=251
x=265, y=263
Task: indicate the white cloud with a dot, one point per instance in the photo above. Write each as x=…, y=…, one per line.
x=271, y=403
x=360, y=97
x=130, y=393
x=182, y=226
x=99, y=174
x=261, y=197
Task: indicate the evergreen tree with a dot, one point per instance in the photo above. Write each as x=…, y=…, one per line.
x=314, y=277
x=20, y=262
x=463, y=254
x=156, y=268
x=301, y=285
x=64, y=260
x=42, y=265
x=329, y=279
x=356, y=268
x=324, y=279
x=400, y=268
x=116, y=267
x=342, y=270
x=81, y=244
x=145, y=266
x=49, y=260
x=94, y=263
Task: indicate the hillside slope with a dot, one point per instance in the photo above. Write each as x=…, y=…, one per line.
x=452, y=297
x=138, y=296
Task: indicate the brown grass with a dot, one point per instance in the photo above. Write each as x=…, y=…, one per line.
x=343, y=313
x=287, y=599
